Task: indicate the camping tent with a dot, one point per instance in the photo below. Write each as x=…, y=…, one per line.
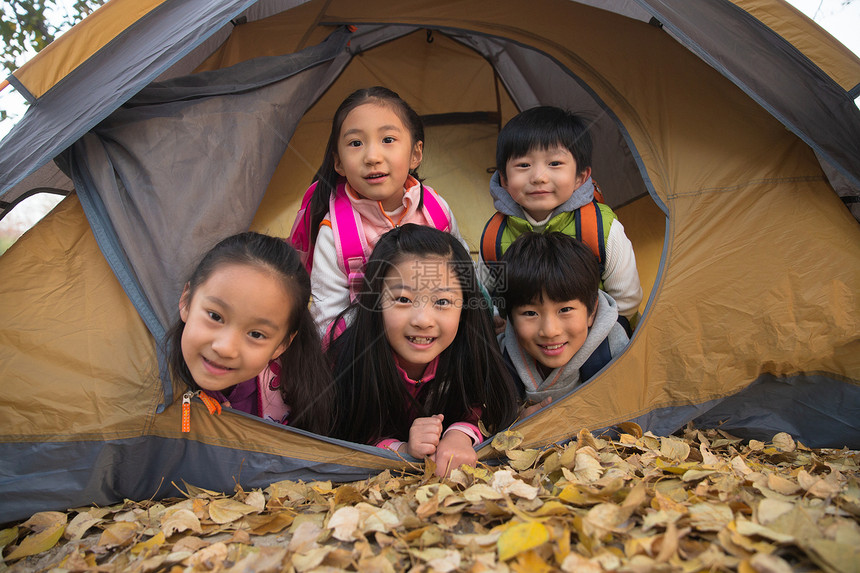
x=727, y=136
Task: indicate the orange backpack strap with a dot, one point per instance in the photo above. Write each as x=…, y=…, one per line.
x=598, y=194
x=589, y=230
x=491, y=238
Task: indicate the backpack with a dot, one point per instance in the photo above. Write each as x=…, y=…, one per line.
x=349, y=238
x=589, y=230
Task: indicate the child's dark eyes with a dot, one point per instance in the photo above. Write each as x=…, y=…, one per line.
x=567, y=309
x=353, y=143
x=555, y=163
x=528, y=313
x=444, y=302
x=257, y=335
x=403, y=299
x=214, y=316
x=388, y=139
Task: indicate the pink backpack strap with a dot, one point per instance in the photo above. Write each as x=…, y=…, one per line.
x=300, y=234
x=437, y=214
x=349, y=239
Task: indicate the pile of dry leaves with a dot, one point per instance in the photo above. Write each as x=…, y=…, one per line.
x=704, y=502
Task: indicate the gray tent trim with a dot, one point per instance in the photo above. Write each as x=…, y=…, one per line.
x=102, y=83
x=800, y=404
x=109, y=244
x=103, y=472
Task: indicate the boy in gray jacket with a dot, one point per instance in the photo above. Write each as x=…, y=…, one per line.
x=561, y=329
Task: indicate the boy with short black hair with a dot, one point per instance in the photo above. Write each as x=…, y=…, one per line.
x=543, y=184
x=561, y=329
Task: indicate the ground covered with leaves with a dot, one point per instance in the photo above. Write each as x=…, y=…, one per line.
x=704, y=501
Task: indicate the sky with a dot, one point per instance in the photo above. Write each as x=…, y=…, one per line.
x=840, y=18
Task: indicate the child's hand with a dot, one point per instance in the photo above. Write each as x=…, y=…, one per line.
x=454, y=450
x=535, y=407
x=424, y=436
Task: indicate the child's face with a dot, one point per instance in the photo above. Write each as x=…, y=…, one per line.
x=551, y=332
x=421, y=307
x=543, y=179
x=375, y=153
x=235, y=322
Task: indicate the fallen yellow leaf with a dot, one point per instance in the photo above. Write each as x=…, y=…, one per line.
x=118, y=534
x=156, y=540
x=522, y=459
x=228, y=510
x=178, y=521
x=507, y=440
x=39, y=542
x=521, y=537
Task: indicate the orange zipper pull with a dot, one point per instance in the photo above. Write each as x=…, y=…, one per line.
x=213, y=405
x=186, y=411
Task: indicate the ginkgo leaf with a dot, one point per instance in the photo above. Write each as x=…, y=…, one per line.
x=156, y=540
x=602, y=519
x=310, y=559
x=376, y=518
x=631, y=428
x=521, y=537
x=119, y=534
x=480, y=473
x=179, y=521
x=505, y=482
x=193, y=491
x=228, y=510
x=769, y=510
x=41, y=541
x=782, y=485
x=575, y=563
x=438, y=559
x=748, y=528
x=674, y=449
x=696, y=475
x=522, y=459
x=709, y=516
x=344, y=522
x=7, y=536
x=587, y=469
x=573, y=494
x=347, y=494
x=209, y=557
x=257, y=500
x=80, y=524
x=269, y=523
x=507, y=440
x=481, y=491
x=567, y=458
x=784, y=442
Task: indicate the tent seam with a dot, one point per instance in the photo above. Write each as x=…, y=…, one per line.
x=751, y=183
